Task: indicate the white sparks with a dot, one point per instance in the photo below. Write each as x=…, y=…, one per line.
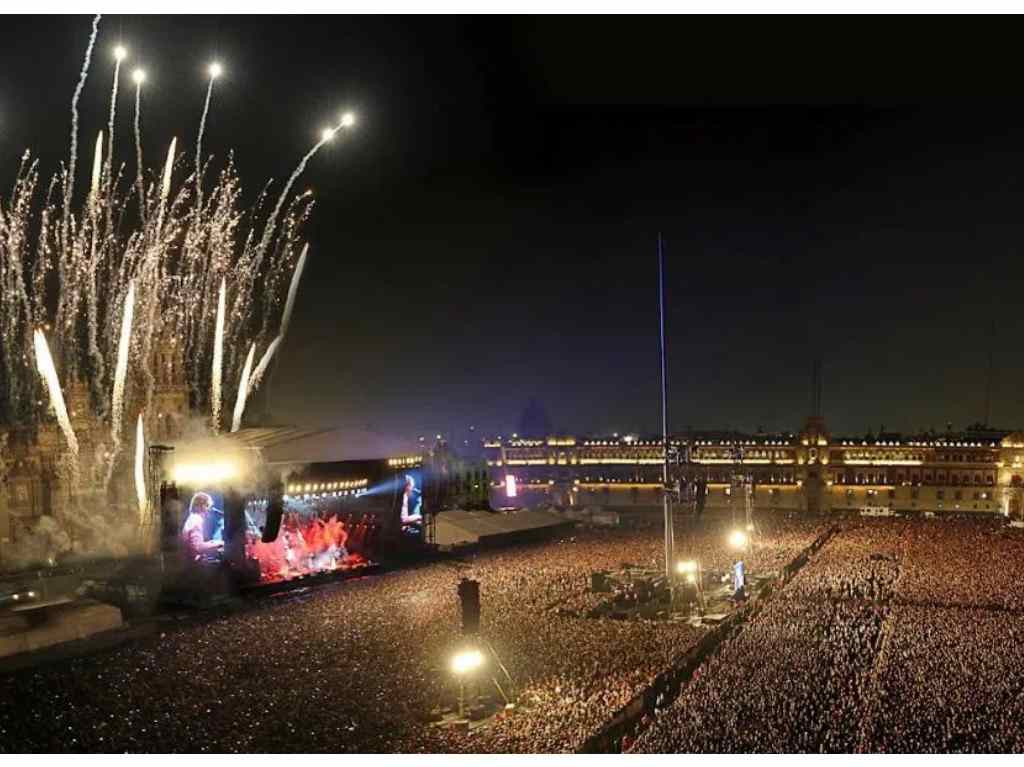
x=140, y=470
x=199, y=141
x=69, y=187
x=261, y=368
x=44, y=363
x=218, y=357
x=293, y=290
x=165, y=187
x=121, y=371
x=243, y=391
x=97, y=169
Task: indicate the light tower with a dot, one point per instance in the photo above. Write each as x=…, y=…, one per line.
x=665, y=489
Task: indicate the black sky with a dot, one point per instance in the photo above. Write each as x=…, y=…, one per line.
x=488, y=233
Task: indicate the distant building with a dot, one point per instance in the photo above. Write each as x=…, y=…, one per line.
x=811, y=471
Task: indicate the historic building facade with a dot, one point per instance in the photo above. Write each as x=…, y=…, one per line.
x=811, y=471
x=35, y=480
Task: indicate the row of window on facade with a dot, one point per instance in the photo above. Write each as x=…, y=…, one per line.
x=886, y=478
x=940, y=494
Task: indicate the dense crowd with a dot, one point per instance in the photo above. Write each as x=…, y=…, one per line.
x=897, y=636
x=361, y=665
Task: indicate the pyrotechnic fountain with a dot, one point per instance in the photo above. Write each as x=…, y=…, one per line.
x=140, y=469
x=49, y=373
x=130, y=283
x=218, y=357
x=243, y=391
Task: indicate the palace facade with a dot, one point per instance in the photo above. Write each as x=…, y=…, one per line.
x=811, y=471
x=34, y=477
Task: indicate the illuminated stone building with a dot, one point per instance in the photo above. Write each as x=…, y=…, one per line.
x=812, y=471
x=34, y=478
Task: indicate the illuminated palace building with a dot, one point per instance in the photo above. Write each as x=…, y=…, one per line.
x=974, y=471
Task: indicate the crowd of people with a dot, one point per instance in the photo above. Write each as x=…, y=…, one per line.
x=364, y=665
x=897, y=636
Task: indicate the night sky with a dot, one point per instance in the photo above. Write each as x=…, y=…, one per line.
x=487, y=235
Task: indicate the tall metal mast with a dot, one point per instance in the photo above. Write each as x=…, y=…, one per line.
x=669, y=542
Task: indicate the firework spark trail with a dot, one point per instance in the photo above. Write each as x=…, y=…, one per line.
x=199, y=146
x=243, y=390
x=44, y=363
x=293, y=290
x=110, y=141
x=261, y=368
x=120, y=374
x=165, y=187
x=164, y=270
x=140, y=473
x=110, y=122
x=69, y=186
x=138, y=154
x=289, y=304
x=271, y=224
x=218, y=358
x=92, y=299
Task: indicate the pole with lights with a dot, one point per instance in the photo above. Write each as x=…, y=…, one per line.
x=464, y=663
x=665, y=490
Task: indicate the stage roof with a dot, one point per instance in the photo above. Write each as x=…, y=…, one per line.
x=293, y=444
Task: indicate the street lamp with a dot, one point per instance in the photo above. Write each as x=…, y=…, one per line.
x=464, y=663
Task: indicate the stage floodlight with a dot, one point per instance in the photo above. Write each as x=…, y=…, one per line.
x=466, y=661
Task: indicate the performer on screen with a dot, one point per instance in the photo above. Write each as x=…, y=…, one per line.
x=203, y=532
x=412, y=507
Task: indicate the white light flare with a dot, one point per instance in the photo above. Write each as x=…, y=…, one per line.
x=166, y=186
x=218, y=357
x=293, y=289
x=257, y=375
x=44, y=362
x=466, y=661
x=97, y=169
x=202, y=473
x=243, y=391
x=140, y=469
x=121, y=369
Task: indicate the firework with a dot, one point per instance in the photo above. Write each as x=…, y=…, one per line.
x=139, y=76
x=293, y=290
x=44, y=363
x=140, y=465
x=69, y=185
x=243, y=391
x=120, y=375
x=218, y=358
x=261, y=368
x=215, y=71
x=141, y=296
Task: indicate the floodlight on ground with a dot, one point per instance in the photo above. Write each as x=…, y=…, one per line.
x=466, y=661
x=738, y=539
